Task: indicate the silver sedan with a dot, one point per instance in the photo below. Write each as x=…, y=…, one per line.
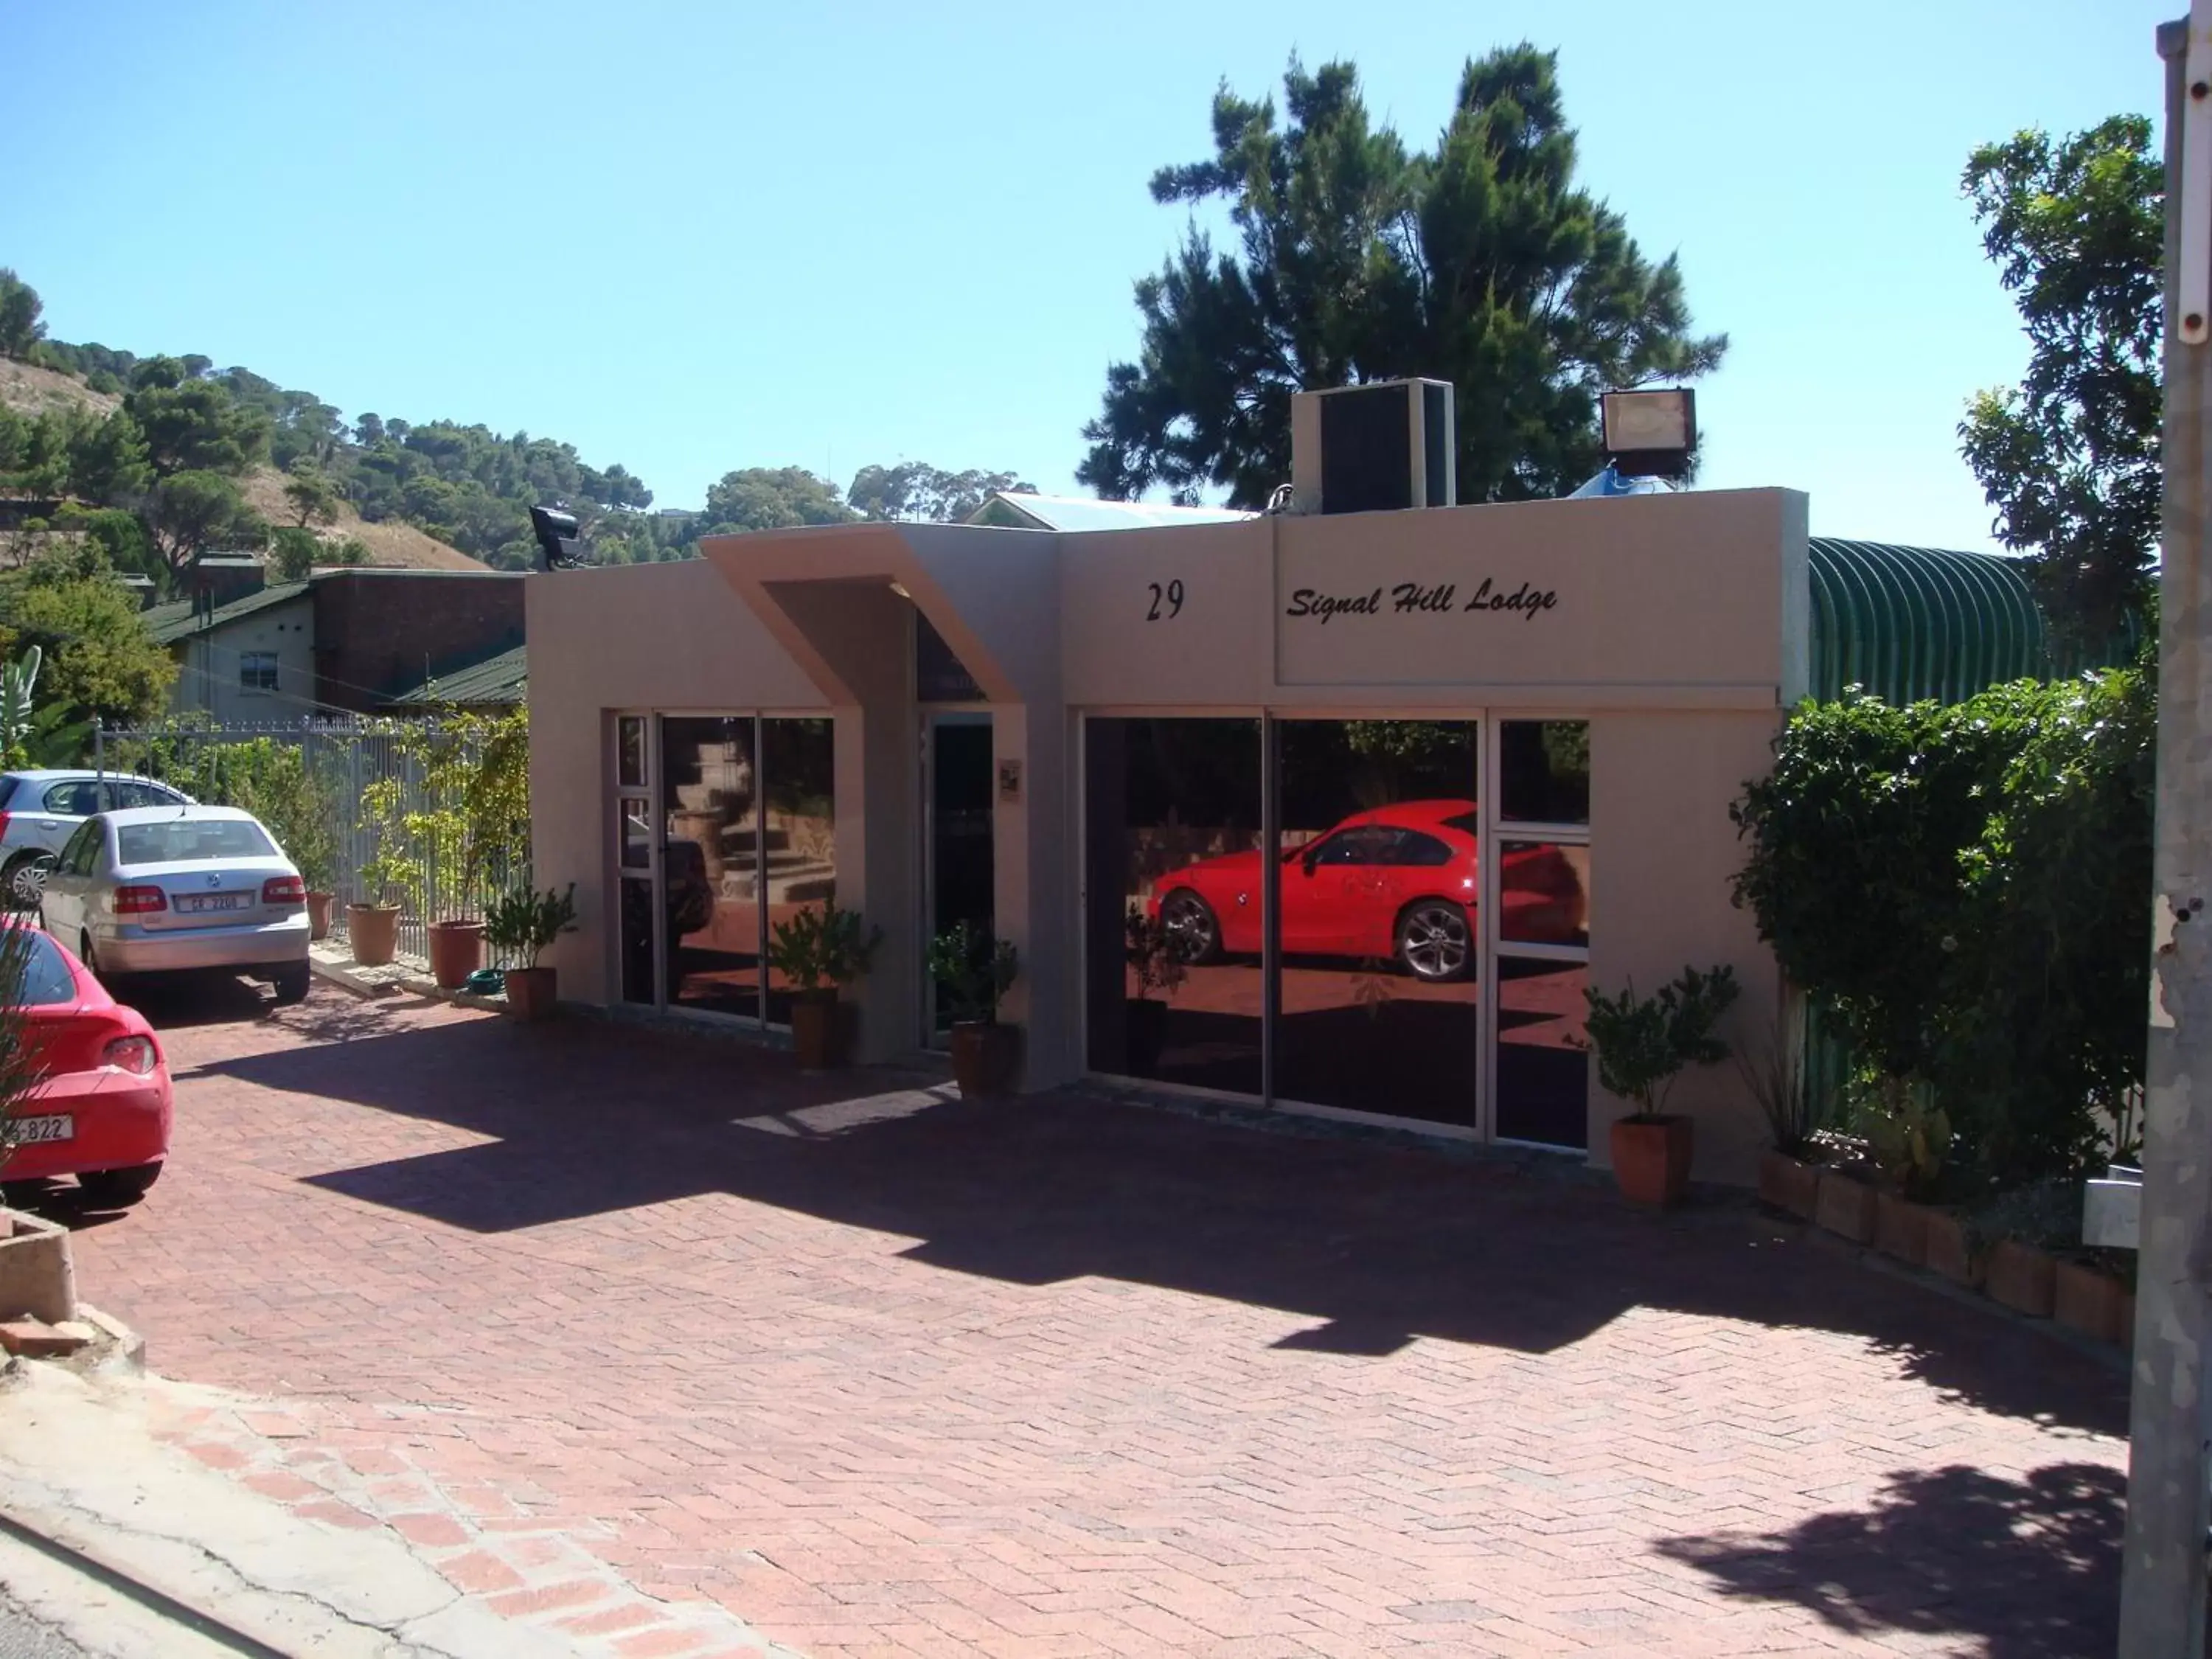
x=180, y=888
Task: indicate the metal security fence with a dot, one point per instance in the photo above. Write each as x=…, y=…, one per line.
x=332, y=792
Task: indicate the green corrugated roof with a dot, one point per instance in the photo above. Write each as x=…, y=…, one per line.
x=169, y=624
x=1913, y=623
x=502, y=678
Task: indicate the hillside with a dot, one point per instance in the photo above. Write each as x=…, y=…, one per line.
x=31, y=389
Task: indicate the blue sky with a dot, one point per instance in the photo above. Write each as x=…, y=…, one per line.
x=688, y=237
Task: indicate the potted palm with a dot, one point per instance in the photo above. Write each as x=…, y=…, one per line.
x=1642, y=1046
x=522, y=922
x=819, y=949
x=381, y=878
x=974, y=970
x=1157, y=966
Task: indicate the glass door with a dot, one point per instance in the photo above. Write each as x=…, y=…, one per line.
x=1378, y=1004
x=956, y=860
x=1539, y=912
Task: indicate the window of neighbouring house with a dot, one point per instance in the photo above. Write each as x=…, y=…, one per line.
x=257, y=671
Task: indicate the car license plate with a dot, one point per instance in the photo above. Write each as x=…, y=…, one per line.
x=37, y=1131
x=194, y=904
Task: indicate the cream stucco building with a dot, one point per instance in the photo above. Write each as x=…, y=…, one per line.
x=1299, y=740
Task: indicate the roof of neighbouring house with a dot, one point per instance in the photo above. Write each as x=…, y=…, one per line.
x=182, y=618
x=502, y=678
x=1016, y=509
x=1913, y=622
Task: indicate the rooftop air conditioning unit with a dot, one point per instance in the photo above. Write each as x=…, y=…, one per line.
x=1373, y=448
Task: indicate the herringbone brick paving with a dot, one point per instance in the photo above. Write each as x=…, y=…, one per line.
x=885, y=1373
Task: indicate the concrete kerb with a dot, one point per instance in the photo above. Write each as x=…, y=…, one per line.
x=94, y=1485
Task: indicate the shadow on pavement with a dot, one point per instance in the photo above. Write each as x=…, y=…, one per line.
x=2031, y=1568
x=1378, y=1244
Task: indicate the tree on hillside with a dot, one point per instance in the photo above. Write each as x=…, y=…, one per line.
x=195, y=512
x=100, y=661
x=20, y=327
x=293, y=551
x=2069, y=458
x=1479, y=261
x=309, y=494
x=916, y=489
x=772, y=498
x=118, y=536
x=192, y=424
x=108, y=465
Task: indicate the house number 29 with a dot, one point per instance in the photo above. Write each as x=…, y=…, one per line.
x=1171, y=596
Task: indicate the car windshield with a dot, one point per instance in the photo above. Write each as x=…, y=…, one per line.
x=47, y=981
x=190, y=841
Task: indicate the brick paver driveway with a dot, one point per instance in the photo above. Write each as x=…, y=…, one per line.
x=886, y=1373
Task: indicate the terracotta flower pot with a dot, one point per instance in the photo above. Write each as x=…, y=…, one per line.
x=815, y=1030
x=2087, y=1299
x=1948, y=1252
x=2023, y=1277
x=1788, y=1184
x=1900, y=1229
x=985, y=1058
x=1651, y=1158
x=456, y=952
x=373, y=932
x=318, y=915
x=533, y=994
x=1845, y=1207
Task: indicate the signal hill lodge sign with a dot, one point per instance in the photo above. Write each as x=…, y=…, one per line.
x=1490, y=598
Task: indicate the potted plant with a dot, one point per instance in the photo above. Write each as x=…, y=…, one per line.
x=523, y=922
x=474, y=784
x=1642, y=1046
x=381, y=878
x=1775, y=1074
x=1907, y=1138
x=975, y=970
x=820, y=949
x=1155, y=965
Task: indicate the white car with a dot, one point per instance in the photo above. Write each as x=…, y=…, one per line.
x=40, y=811
x=166, y=889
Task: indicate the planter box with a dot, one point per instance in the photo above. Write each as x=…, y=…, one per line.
x=1900, y=1229
x=1945, y=1251
x=1845, y=1207
x=1651, y=1158
x=2088, y=1299
x=1789, y=1186
x=2023, y=1277
x=37, y=1277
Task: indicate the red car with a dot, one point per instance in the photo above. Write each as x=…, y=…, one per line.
x=102, y=1114
x=1399, y=881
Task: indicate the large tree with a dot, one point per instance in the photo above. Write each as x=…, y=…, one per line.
x=101, y=663
x=195, y=513
x=916, y=489
x=192, y=424
x=20, y=327
x=1479, y=261
x=2069, y=458
x=772, y=498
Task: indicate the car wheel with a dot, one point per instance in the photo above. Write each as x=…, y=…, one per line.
x=113, y=1189
x=292, y=980
x=1192, y=930
x=1434, y=941
x=24, y=879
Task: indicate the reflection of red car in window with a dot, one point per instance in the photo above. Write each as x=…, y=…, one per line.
x=1399, y=881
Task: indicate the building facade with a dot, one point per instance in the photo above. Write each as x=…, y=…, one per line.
x=1400, y=784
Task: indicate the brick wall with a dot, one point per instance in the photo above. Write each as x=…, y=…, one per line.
x=380, y=632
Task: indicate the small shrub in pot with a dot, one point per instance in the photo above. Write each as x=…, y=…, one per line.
x=1157, y=966
x=523, y=922
x=974, y=970
x=1643, y=1045
x=821, y=949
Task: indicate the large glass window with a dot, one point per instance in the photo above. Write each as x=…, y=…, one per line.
x=1173, y=840
x=1542, y=1079
x=710, y=810
x=800, y=830
x=1377, y=868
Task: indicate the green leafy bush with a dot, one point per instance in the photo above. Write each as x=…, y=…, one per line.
x=1644, y=1043
x=822, y=945
x=526, y=920
x=974, y=968
x=1967, y=887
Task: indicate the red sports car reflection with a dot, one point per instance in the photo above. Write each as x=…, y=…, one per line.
x=1399, y=881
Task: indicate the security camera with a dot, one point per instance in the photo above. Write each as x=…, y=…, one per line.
x=556, y=537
